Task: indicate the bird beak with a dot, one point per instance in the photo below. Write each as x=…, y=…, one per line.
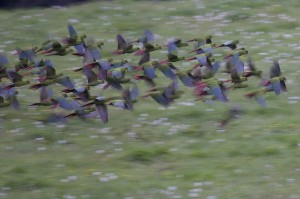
x=190, y=59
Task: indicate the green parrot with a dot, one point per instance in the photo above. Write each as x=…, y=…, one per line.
x=159, y=97
x=237, y=80
x=148, y=69
x=172, y=52
x=83, y=113
x=8, y=97
x=230, y=44
x=252, y=69
x=56, y=48
x=45, y=97
x=185, y=77
x=16, y=79
x=164, y=68
x=101, y=106
x=118, y=73
x=50, y=71
x=124, y=46
x=74, y=39
x=3, y=66
x=202, y=41
x=233, y=113
x=215, y=88
x=178, y=42
x=92, y=78
x=206, y=48
x=276, y=84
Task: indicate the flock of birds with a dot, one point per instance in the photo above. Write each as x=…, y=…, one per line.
x=123, y=76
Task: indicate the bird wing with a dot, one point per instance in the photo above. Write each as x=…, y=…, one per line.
x=82, y=93
x=217, y=92
x=117, y=73
x=149, y=71
x=80, y=48
x=145, y=58
x=95, y=52
x=66, y=104
x=260, y=99
x=3, y=61
x=50, y=70
x=276, y=87
x=114, y=83
x=172, y=47
x=161, y=99
x=121, y=42
x=283, y=86
x=102, y=112
x=275, y=70
x=148, y=36
x=14, y=102
x=72, y=32
x=215, y=67
x=185, y=79
x=166, y=70
x=66, y=82
x=30, y=55
x=90, y=75
x=88, y=57
x=251, y=65
x=13, y=76
x=45, y=93
x=240, y=67
x=104, y=64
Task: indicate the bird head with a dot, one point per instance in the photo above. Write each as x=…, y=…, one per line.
x=282, y=78
x=155, y=63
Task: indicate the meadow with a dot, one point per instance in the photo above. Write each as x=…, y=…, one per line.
x=156, y=152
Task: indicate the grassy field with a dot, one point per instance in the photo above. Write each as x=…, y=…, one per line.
x=153, y=152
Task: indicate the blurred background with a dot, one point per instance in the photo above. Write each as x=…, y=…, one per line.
x=38, y=3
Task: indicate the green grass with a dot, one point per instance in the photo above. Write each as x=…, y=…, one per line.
x=167, y=153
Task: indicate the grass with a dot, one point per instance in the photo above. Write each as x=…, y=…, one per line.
x=152, y=152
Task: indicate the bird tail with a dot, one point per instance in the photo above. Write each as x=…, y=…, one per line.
x=137, y=68
x=117, y=52
x=9, y=87
x=139, y=52
x=250, y=95
x=106, y=86
x=35, y=104
x=35, y=86
x=78, y=69
x=265, y=83
x=42, y=78
x=70, y=115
